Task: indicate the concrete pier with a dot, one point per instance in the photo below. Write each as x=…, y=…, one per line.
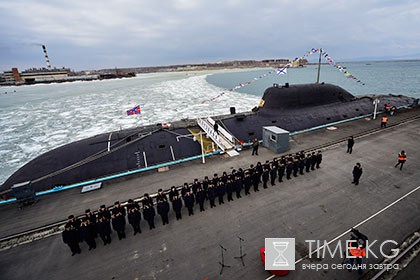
x=319, y=205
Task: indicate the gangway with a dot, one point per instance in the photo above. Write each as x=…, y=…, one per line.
x=223, y=139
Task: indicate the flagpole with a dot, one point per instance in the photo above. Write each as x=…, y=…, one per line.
x=203, y=159
x=319, y=66
x=140, y=120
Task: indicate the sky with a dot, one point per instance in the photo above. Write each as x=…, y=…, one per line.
x=84, y=35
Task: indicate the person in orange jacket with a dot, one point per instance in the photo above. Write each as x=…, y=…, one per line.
x=356, y=254
x=402, y=158
x=384, y=121
x=356, y=250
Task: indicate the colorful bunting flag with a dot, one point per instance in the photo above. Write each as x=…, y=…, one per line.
x=334, y=64
x=283, y=71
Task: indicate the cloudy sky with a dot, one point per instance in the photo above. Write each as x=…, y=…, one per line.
x=91, y=34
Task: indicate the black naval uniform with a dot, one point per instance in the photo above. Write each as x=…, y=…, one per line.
x=118, y=224
x=172, y=193
x=104, y=229
x=273, y=174
x=215, y=180
x=201, y=197
x=147, y=200
x=92, y=219
x=195, y=186
x=71, y=238
x=177, y=206
x=280, y=171
x=221, y=190
x=149, y=215
x=357, y=173
x=265, y=177
x=104, y=212
x=163, y=210
x=308, y=163
x=295, y=167
x=161, y=196
x=350, y=144
x=134, y=218
x=237, y=183
x=206, y=183
x=318, y=159
x=247, y=183
x=74, y=223
x=189, y=203
x=87, y=233
x=184, y=190
x=289, y=169
x=301, y=164
x=313, y=161
x=259, y=168
x=211, y=194
x=256, y=180
x=229, y=190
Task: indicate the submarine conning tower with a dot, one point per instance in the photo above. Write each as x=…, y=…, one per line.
x=304, y=95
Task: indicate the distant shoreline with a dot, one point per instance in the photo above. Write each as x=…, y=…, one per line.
x=237, y=64
x=240, y=64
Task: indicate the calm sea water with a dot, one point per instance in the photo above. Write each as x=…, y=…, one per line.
x=382, y=77
x=35, y=119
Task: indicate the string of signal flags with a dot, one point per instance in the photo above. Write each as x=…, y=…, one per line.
x=283, y=71
x=279, y=71
x=332, y=62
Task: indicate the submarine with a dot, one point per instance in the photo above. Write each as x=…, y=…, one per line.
x=291, y=107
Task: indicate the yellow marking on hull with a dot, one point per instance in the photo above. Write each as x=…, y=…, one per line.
x=207, y=142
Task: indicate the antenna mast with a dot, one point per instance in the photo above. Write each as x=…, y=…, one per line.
x=319, y=66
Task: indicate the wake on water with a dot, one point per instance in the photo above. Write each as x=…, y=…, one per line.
x=33, y=128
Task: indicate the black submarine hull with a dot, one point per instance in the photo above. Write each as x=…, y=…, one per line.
x=294, y=108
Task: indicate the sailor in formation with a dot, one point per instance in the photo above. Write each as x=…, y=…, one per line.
x=100, y=224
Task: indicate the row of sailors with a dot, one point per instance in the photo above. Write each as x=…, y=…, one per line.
x=90, y=226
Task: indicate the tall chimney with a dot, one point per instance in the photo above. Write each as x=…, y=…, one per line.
x=46, y=57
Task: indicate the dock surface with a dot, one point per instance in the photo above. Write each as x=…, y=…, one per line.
x=319, y=205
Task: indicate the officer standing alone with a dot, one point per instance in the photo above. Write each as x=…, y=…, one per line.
x=357, y=172
x=350, y=144
x=255, y=145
